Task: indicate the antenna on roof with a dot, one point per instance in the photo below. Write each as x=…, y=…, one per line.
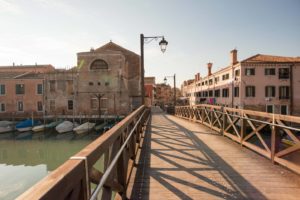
x=13, y=64
x=110, y=40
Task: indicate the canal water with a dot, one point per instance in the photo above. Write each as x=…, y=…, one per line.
x=25, y=158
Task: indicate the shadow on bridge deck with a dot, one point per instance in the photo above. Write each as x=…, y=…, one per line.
x=183, y=160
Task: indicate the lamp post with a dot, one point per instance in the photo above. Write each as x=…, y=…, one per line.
x=163, y=45
x=174, y=78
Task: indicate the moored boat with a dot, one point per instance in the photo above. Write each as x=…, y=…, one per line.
x=26, y=125
x=83, y=128
x=53, y=124
x=100, y=126
x=38, y=128
x=65, y=126
x=6, y=126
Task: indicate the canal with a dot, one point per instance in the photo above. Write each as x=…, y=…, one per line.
x=25, y=158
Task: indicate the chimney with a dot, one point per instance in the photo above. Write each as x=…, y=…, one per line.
x=209, y=66
x=198, y=76
x=233, y=57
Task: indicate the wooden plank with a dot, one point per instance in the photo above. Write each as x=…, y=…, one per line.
x=257, y=149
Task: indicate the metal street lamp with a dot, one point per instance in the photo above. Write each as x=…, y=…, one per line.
x=163, y=45
x=174, y=78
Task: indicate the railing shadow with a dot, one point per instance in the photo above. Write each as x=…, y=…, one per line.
x=180, y=157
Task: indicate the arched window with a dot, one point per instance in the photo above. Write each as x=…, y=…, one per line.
x=99, y=64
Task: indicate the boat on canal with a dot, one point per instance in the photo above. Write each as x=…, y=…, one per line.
x=26, y=125
x=84, y=128
x=65, y=126
x=6, y=126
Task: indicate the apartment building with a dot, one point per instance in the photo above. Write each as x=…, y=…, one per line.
x=261, y=82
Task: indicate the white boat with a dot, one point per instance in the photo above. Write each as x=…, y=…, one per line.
x=5, y=123
x=5, y=129
x=38, y=128
x=6, y=126
x=65, y=126
x=83, y=128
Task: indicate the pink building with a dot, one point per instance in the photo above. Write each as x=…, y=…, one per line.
x=261, y=82
x=21, y=89
x=150, y=91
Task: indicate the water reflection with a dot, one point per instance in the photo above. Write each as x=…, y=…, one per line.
x=25, y=158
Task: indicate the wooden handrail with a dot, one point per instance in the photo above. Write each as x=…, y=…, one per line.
x=72, y=180
x=241, y=125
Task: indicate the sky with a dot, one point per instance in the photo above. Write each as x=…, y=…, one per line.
x=198, y=31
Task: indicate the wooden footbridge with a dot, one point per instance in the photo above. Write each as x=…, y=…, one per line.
x=203, y=152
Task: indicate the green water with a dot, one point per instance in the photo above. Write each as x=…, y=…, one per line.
x=28, y=157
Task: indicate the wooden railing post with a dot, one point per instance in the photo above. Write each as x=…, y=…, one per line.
x=223, y=120
x=275, y=140
x=243, y=127
x=211, y=117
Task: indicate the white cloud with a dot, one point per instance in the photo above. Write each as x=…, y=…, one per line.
x=8, y=6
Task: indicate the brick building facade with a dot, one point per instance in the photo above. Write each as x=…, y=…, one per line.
x=110, y=74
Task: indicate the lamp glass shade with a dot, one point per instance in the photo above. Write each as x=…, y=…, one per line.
x=163, y=44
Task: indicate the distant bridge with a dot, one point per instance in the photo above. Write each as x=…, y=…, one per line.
x=198, y=154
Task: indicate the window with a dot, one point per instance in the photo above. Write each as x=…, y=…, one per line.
x=250, y=71
x=52, y=105
x=99, y=83
x=270, y=91
x=2, y=107
x=39, y=106
x=91, y=83
x=210, y=93
x=20, y=89
x=39, y=89
x=236, y=91
x=237, y=72
x=52, y=86
x=2, y=89
x=250, y=91
x=217, y=93
x=284, y=73
x=225, y=77
x=205, y=82
x=225, y=92
x=70, y=104
x=269, y=108
x=284, y=92
x=210, y=82
x=106, y=83
x=216, y=79
x=99, y=64
x=20, y=106
x=94, y=103
x=270, y=71
x=284, y=109
x=104, y=103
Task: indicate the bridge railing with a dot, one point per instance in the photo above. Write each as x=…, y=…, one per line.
x=98, y=164
x=274, y=136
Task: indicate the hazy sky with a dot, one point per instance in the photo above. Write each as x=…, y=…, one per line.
x=198, y=31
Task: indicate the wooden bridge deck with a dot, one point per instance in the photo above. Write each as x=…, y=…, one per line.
x=185, y=160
